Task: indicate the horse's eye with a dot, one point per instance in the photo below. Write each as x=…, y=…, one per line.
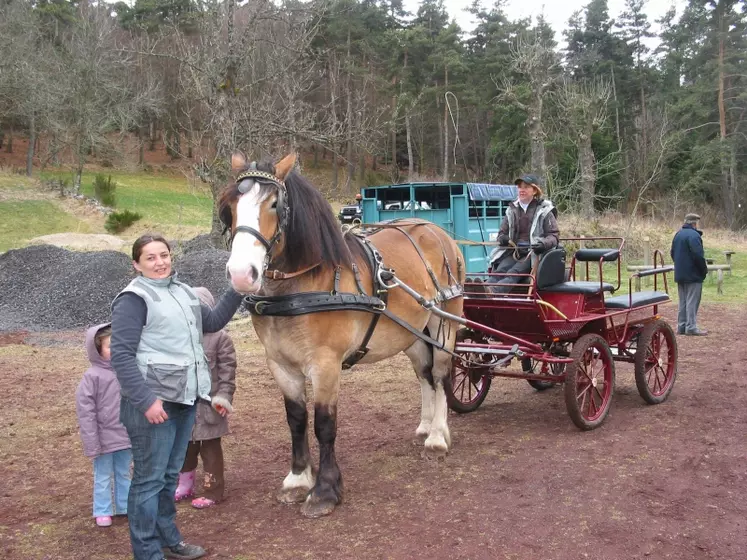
x=274, y=205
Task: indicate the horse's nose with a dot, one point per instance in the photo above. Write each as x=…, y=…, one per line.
x=243, y=280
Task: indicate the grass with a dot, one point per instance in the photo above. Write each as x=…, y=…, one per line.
x=160, y=199
x=177, y=208
x=26, y=219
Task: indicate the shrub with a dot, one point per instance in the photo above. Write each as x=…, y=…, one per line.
x=103, y=189
x=119, y=221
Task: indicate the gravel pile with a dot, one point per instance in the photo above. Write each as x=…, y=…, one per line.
x=204, y=242
x=43, y=287
x=205, y=268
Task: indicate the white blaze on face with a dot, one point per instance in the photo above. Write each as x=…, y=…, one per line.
x=247, y=253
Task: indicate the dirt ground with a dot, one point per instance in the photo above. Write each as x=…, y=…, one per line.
x=521, y=482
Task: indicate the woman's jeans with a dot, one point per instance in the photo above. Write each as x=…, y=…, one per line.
x=158, y=452
x=111, y=483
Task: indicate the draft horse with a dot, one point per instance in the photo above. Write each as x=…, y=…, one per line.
x=288, y=253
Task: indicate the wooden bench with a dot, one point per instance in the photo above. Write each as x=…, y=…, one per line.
x=719, y=268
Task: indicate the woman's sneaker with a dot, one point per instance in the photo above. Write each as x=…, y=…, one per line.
x=104, y=520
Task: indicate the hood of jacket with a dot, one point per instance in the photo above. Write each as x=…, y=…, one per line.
x=205, y=296
x=93, y=355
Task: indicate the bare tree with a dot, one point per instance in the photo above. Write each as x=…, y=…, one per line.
x=245, y=73
x=97, y=93
x=29, y=73
x=535, y=60
x=584, y=110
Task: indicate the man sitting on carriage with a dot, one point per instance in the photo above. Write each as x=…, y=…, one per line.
x=529, y=229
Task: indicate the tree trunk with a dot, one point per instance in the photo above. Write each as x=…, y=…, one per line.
x=446, y=127
x=349, y=180
x=537, y=138
x=632, y=193
x=152, y=133
x=32, y=142
x=586, y=169
x=411, y=162
x=141, y=132
x=335, y=172
x=726, y=191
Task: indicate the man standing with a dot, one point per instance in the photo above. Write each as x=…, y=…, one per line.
x=530, y=224
x=690, y=269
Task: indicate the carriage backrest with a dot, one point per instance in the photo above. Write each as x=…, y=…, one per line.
x=551, y=268
x=593, y=255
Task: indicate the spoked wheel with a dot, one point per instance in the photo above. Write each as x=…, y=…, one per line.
x=469, y=382
x=590, y=381
x=656, y=362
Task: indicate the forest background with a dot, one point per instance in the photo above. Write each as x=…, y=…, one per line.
x=384, y=95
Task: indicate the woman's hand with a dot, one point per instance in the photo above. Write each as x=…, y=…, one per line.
x=156, y=414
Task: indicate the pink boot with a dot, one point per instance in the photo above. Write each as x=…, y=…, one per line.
x=185, y=488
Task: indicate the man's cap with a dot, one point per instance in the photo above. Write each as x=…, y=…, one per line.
x=531, y=179
x=692, y=217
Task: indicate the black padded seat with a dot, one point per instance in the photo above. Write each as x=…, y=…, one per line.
x=579, y=287
x=593, y=255
x=639, y=300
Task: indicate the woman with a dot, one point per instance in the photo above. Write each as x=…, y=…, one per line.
x=157, y=354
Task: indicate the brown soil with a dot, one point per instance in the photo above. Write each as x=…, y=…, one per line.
x=521, y=481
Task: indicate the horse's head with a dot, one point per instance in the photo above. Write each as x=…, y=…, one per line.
x=255, y=208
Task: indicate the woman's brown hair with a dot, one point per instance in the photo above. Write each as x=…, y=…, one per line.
x=143, y=240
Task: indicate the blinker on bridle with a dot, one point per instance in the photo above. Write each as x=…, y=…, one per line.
x=281, y=207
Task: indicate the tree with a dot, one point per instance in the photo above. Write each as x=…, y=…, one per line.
x=585, y=111
x=535, y=60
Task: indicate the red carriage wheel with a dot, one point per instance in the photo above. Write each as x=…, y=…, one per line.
x=470, y=382
x=656, y=362
x=590, y=381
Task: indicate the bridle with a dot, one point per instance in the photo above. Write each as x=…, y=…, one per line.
x=283, y=211
x=281, y=207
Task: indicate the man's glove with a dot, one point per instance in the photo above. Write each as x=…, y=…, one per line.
x=538, y=248
x=503, y=241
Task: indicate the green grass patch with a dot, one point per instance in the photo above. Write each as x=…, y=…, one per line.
x=160, y=199
x=26, y=219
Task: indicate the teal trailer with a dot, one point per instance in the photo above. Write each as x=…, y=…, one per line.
x=468, y=211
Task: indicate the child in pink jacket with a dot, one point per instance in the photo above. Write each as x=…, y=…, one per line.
x=104, y=437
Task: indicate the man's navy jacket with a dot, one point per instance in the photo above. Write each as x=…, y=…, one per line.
x=688, y=257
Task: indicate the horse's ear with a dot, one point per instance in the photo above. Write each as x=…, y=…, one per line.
x=238, y=162
x=285, y=166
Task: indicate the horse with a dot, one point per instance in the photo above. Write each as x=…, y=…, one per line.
x=286, y=243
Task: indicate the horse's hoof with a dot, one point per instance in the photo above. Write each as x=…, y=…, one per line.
x=292, y=495
x=312, y=508
x=422, y=431
x=435, y=448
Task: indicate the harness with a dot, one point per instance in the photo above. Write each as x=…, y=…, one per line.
x=383, y=279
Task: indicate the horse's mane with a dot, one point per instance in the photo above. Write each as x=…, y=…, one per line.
x=312, y=234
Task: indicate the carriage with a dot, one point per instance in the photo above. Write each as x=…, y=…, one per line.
x=322, y=300
x=567, y=331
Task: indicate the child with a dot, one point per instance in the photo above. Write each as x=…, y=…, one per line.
x=211, y=422
x=104, y=437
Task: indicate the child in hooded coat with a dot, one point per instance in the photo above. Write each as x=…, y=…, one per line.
x=211, y=420
x=104, y=437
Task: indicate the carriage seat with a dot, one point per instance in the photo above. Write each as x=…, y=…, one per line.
x=551, y=275
x=639, y=299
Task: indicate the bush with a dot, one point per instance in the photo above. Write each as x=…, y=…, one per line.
x=119, y=221
x=103, y=189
